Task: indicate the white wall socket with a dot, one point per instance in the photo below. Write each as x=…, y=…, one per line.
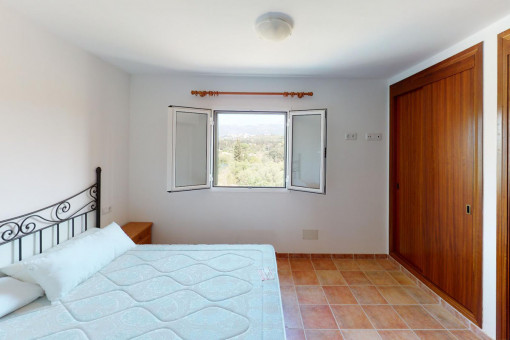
x=106, y=210
x=351, y=136
x=373, y=136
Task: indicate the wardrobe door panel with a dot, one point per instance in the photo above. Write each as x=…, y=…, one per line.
x=449, y=255
x=410, y=165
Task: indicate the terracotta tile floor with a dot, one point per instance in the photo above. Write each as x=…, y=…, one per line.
x=360, y=299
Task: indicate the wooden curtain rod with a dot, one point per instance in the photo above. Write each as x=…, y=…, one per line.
x=217, y=93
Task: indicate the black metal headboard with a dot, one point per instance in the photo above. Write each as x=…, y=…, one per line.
x=78, y=205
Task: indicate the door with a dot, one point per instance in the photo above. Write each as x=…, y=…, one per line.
x=436, y=178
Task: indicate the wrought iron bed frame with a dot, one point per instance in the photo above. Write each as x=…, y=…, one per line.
x=63, y=211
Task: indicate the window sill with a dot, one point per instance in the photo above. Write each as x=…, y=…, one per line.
x=251, y=190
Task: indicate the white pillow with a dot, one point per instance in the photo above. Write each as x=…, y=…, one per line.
x=15, y=294
x=19, y=270
x=59, y=271
x=117, y=239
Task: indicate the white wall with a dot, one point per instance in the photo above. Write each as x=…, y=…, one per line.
x=351, y=218
x=62, y=113
x=489, y=38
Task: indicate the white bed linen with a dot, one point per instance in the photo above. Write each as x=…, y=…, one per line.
x=164, y=292
x=15, y=294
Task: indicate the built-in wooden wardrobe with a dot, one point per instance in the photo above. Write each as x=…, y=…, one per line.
x=436, y=178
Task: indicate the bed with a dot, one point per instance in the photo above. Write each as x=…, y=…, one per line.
x=162, y=292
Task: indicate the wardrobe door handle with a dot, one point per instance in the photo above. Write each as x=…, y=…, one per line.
x=468, y=209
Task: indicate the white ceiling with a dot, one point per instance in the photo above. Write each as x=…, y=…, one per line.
x=347, y=38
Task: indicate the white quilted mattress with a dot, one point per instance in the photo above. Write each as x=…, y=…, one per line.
x=164, y=292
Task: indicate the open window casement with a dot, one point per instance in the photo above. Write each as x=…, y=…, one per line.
x=307, y=151
x=189, y=146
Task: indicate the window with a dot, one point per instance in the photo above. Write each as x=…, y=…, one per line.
x=246, y=149
x=307, y=156
x=249, y=149
x=190, y=161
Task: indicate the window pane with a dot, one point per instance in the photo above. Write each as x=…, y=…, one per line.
x=191, y=149
x=250, y=149
x=306, y=151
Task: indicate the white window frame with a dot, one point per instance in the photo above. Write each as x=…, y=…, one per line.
x=322, y=184
x=171, y=143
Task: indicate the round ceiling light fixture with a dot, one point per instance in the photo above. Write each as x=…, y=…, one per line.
x=274, y=26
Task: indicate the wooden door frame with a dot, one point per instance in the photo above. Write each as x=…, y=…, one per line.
x=471, y=58
x=503, y=233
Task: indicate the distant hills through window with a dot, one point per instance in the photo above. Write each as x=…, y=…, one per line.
x=250, y=149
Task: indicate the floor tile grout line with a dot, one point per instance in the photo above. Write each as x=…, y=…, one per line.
x=435, y=318
x=331, y=310
x=400, y=316
x=334, y=317
x=372, y=304
x=364, y=312
x=399, y=304
x=454, y=336
x=299, y=309
x=376, y=332
x=377, y=288
x=391, y=305
x=419, y=304
x=418, y=282
x=426, y=310
x=298, y=305
x=304, y=329
x=361, y=304
x=379, y=329
x=326, y=297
